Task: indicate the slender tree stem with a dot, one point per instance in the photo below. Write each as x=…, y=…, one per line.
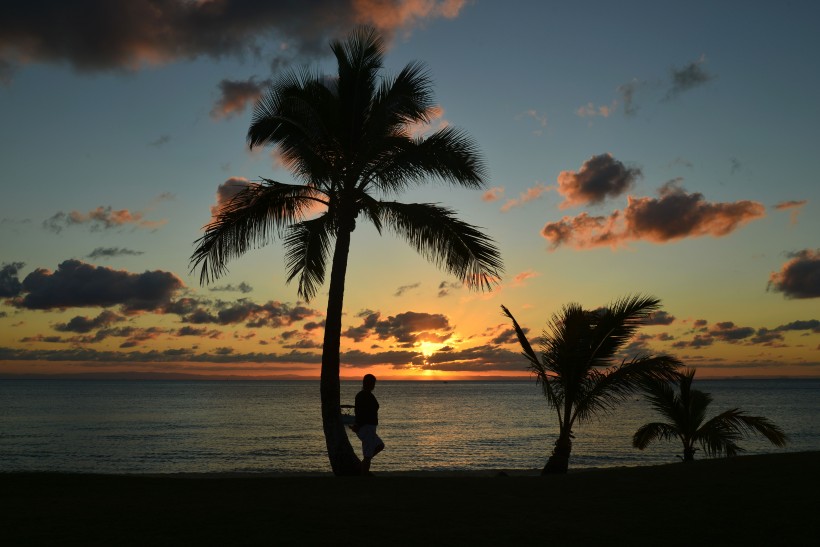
x=343, y=459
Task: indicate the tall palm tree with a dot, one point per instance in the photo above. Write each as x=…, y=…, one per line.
x=578, y=367
x=685, y=413
x=348, y=142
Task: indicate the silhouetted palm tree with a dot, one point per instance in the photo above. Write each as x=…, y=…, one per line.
x=578, y=369
x=686, y=412
x=348, y=141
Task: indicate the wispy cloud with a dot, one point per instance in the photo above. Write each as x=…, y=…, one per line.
x=793, y=206
x=235, y=95
x=112, y=252
x=404, y=288
x=526, y=196
x=688, y=77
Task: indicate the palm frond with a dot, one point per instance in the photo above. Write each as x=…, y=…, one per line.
x=720, y=434
x=651, y=432
x=617, y=323
x=542, y=375
x=435, y=232
x=307, y=246
x=250, y=219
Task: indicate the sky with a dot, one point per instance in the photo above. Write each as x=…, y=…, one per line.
x=658, y=148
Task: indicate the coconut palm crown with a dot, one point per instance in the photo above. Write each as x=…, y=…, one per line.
x=685, y=412
x=348, y=142
x=579, y=368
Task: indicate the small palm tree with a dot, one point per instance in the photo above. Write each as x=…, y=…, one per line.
x=578, y=369
x=348, y=141
x=686, y=415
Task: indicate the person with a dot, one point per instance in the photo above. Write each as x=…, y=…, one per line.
x=366, y=421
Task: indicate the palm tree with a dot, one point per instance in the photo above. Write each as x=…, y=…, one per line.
x=347, y=140
x=578, y=368
x=686, y=413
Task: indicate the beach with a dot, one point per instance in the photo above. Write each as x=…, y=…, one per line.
x=748, y=500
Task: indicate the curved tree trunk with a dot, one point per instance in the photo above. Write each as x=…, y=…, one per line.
x=688, y=453
x=559, y=461
x=343, y=459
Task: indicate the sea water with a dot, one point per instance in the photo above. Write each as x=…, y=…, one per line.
x=275, y=426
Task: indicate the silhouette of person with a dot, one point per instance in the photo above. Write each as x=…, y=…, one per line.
x=366, y=421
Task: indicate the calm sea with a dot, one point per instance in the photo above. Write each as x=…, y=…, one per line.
x=257, y=426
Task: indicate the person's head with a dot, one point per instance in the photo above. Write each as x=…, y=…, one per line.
x=369, y=382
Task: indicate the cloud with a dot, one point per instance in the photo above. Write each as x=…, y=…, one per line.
x=794, y=206
x=9, y=282
x=404, y=288
x=435, y=122
x=627, y=93
x=161, y=141
x=519, y=279
x=101, y=218
x=508, y=336
x=661, y=318
x=799, y=277
x=493, y=194
x=727, y=331
x=243, y=288
x=270, y=314
x=598, y=178
x=408, y=328
x=527, y=195
x=112, y=252
x=589, y=110
x=674, y=215
x=226, y=191
x=82, y=324
x=811, y=324
x=476, y=359
x=138, y=33
x=235, y=95
x=77, y=284
x=445, y=287
x=539, y=117
x=688, y=77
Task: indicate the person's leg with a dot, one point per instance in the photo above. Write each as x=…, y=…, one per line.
x=366, y=465
x=378, y=448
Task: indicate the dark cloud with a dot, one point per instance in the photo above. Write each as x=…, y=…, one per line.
x=766, y=337
x=235, y=95
x=727, y=331
x=404, y=288
x=203, y=332
x=811, y=324
x=161, y=141
x=77, y=284
x=799, y=277
x=700, y=323
x=406, y=328
x=675, y=215
x=313, y=325
x=83, y=324
x=699, y=341
x=661, y=318
x=598, y=178
x=508, y=336
x=478, y=359
x=688, y=77
x=445, y=287
x=270, y=314
x=112, y=252
x=243, y=287
x=100, y=35
x=9, y=282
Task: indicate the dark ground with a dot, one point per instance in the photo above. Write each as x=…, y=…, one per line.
x=752, y=500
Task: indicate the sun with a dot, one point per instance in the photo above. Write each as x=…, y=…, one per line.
x=429, y=348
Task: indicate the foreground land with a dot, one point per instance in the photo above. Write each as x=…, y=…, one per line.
x=752, y=500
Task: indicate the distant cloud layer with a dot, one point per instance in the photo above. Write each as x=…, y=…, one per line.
x=676, y=214
x=598, y=178
x=112, y=252
x=101, y=218
x=799, y=277
x=100, y=35
x=76, y=284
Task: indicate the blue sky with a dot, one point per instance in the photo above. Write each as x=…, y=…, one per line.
x=693, y=124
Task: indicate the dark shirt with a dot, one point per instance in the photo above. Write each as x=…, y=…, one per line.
x=367, y=408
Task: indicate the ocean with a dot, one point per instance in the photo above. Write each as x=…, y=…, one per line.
x=128, y=426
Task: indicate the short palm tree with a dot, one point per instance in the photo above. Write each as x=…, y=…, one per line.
x=348, y=141
x=685, y=413
x=578, y=365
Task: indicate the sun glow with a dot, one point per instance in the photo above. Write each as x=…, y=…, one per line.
x=429, y=348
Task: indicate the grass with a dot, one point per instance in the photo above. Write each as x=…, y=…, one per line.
x=751, y=500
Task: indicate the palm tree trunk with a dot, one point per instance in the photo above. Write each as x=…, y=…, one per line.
x=343, y=459
x=559, y=461
x=688, y=453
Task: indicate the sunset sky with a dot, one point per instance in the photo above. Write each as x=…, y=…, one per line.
x=662, y=148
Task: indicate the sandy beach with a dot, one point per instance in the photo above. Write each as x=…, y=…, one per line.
x=750, y=500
